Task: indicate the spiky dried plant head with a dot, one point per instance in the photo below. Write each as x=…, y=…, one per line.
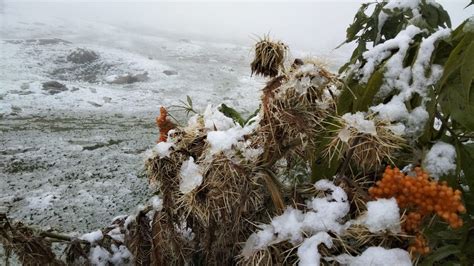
x=161, y=171
x=356, y=238
x=368, y=140
x=221, y=205
x=295, y=106
x=269, y=57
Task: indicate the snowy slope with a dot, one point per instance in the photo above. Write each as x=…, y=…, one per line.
x=73, y=159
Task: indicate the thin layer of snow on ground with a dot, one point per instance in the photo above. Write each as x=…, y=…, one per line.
x=72, y=158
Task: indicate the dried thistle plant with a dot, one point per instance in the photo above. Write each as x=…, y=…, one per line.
x=269, y=57
x=367, y=149
x=220, y=207
x=294, y=107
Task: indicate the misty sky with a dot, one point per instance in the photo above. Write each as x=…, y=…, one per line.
x=309, y=25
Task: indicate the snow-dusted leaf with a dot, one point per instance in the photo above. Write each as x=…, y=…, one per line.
x=455, y=86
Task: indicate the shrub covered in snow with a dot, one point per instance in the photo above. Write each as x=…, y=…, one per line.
x=308, y=177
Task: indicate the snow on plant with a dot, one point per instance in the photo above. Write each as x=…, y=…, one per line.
x=225, y=180
x=377, y=256
x=440, y=159
x=379, y=53
x=308, y=251
x=382, y=214
x=407, y=81
x=162, y=149
x=369, y=139
x=224, y=140
x=92, y=237
x=191, y=176
x=323, y=215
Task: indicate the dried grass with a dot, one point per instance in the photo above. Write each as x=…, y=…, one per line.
x=367, y=152
x=30, y=247
x=269, y=57
x=294, y=107
x=139, y=239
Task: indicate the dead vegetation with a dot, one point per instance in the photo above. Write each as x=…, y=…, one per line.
x=209, y=225
x=269, y=57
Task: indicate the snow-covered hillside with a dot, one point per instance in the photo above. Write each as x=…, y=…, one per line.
x=74, y=133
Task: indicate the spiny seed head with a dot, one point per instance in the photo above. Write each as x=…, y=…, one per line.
x=269, y=57
x=370, y=148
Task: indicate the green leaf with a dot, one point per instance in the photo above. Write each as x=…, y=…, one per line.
x=356, y=55
x=440, y=254
x=189, y=100
x=444, y=17
x=467, y=69
x=465, y=159
x=429, y=131
x=430, y=14
x=321, y=167
x=367, y=93
x=470, y=4
x=456, y=58
x=454, y=103
x=232, y=113
x=359, y=20
x=254, y=114
x=345, y=101
x=455, y=86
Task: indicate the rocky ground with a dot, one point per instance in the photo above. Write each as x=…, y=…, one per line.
x=78, y=99
x=77, y=118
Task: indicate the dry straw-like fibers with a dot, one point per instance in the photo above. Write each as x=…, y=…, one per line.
x=367, y=151
x=269, y=57
x=30, y=247
x=294, y=107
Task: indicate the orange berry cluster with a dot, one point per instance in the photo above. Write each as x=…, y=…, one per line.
x=419, y=245
x=164, y=125
x=420, y=196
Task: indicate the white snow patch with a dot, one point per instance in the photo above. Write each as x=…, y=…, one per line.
x=308, y=251
x=397, y=129
x=121, y=255
x=215, y=120
x=382, y=51
x=191, y=176
x=116, y=234
x=402, y=4
x=223, y=140
x=99, y=256
x=41, y=202
x=440, y=160
x=407, y=81
x=377, y=256
x=162, y=149
x=156, y=202
x=382, y=214
x=323, y=215
x=359, y=122
x=252, y=154
x=92, y=237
